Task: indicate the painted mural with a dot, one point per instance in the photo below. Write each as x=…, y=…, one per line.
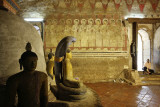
x=100, y=33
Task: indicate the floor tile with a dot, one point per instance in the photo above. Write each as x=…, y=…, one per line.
x=124, y=95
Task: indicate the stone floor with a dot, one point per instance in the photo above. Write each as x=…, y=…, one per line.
x=123, y=95
x=115, y=95
x=153, y=79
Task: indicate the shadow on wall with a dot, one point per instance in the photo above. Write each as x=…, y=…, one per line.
x=2, y=95
x=56, y=104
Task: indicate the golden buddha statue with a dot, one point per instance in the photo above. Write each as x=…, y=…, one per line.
x=50, y=65
x=68, y=79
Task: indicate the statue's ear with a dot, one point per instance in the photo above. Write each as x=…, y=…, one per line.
x=20, y=62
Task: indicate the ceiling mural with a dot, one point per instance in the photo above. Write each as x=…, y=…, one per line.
x=154, y=4
x=105, y=3
x=97, y=24
x=46, y=8
x=117, y=3
x=141, y=4
x=129, y=4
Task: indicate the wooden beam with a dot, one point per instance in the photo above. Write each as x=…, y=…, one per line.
x=144, y=20
x=134, y=47
x=10, y=5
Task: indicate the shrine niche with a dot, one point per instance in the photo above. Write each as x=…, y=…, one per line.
x=93, y=32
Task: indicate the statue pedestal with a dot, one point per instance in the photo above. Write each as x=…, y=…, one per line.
x=91, y=100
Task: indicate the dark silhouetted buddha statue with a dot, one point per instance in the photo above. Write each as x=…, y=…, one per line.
x=30, y=85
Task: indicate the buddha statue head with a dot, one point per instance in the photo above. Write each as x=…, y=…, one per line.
x=51, y=55
x=69, y=54
x=28, y=59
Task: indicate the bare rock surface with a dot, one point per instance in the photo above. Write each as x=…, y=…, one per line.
x=14, y=34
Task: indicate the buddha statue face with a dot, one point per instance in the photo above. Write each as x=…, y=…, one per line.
x=83, y=21
x=90, y=21
x=105, y=21
x=98, y=21
x=76, y=22
x=30, y=63
x=69, y=55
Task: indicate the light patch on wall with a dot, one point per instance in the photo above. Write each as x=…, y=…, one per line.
x=34, y=19
x=126, y=67
x=134, y=16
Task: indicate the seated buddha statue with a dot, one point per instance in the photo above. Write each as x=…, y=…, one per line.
x=30, y=85
x=68, y=88
x=68, y=79
x=50, y=65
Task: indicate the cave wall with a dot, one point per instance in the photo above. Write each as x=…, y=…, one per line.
x=100, y=27
x=101, y=50
x=14, y=34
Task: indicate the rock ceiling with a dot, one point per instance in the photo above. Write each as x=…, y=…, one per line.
x=47, y=8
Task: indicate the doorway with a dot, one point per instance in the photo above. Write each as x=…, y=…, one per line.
x=143, y=48
x=149, y=29
x=38, y=29
x=156, y=51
